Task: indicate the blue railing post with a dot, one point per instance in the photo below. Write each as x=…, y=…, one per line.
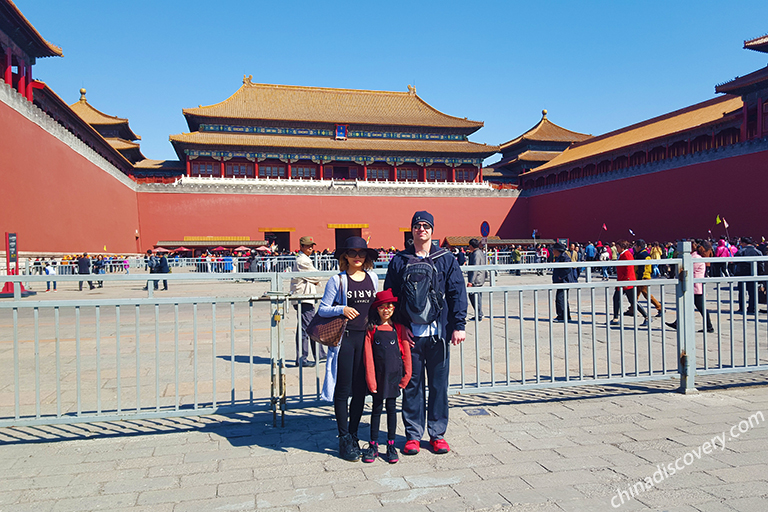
x=686, y=325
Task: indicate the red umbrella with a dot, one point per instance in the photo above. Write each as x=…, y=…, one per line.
x=263, y=248
x=161, y=249
x=242, y=248
x=219, y=249
x=182, y=249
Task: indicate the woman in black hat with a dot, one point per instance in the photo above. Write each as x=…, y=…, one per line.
x=349, y=293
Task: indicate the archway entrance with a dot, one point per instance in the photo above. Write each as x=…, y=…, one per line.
x=343, y=233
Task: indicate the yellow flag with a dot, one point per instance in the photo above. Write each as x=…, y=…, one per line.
x=105, y=248
x=718, y=221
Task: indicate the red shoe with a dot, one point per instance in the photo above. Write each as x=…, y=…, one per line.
x=440, y=446
x=411, y=447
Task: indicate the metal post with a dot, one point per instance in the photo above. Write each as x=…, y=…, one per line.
x=685, y=321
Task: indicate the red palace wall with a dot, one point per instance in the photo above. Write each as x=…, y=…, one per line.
x=663, y=206
x=173, y=216
x=55, y=199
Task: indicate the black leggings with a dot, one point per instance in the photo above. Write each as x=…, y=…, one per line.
x=350, y=381
x=376, y=418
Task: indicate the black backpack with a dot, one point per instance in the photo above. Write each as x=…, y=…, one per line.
x=423, y=302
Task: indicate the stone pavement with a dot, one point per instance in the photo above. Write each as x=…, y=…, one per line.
x=570, y=449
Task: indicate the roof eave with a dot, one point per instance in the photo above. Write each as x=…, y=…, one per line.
x=35, y=40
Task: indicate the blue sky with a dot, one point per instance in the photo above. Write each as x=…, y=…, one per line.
x=595, y=66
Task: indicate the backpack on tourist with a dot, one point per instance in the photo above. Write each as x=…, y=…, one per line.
x=423, y=301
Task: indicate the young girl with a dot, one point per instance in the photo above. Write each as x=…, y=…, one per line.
x=387, y=369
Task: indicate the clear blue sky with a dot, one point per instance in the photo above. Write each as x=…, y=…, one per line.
x=595, y=66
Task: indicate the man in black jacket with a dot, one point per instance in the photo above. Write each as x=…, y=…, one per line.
x=745, y=269
x=562, y=275
x=84, y=267
x=430, y=351
x=163, y=268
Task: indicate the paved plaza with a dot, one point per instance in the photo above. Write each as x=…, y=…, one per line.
x=563, y=449
x=550, y=450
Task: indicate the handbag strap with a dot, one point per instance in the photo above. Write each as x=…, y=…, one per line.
x=343, y=285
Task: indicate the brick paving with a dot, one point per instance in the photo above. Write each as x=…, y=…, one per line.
x=547, y=450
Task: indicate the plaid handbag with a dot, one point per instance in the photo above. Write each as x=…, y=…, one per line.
x=327, y=331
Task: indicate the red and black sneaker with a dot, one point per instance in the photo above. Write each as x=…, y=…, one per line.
x=439, y=446
x=411, y=447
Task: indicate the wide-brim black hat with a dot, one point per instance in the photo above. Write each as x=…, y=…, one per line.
x=355, y=242
x=559, y=247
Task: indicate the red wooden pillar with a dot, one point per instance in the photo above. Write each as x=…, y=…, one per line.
x=5, y=65
x=289, y=170
x=189, y=167
x=759, y=118
x=222, y=169
x=321, y=171
x=28, y=92
x=22, y=85
x=365, y=172
x=453, y=174
x=256, y=169
x=744, y=117
x=394, y=173
x=8, y=76
x=478, y=175
x=424, y=176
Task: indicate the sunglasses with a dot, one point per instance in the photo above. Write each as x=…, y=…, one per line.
x=362, y=253
x=422, y=225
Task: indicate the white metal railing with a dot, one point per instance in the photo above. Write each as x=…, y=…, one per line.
x=161, y=355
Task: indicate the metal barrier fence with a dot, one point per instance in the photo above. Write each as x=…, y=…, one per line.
x=228, y=349
x=263, y=263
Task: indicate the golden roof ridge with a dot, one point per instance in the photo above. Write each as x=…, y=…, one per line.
x=83, y=101
x=249, y=84
x=538, y=126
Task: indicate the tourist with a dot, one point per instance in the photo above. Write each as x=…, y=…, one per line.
x=562, y=275
x=349, y=293
x=163, y=268
x=516, y=258
x=605, y=255
x=387, y=370
x=699, y=269
x=745, y=269
x=151, y=263
x=305, y=307
x=50, y=270
x=641, y=253
x=430, y=351
x=723, y=250
x=98, y=268
x=83, y=268
x=476, y=277
x=625, y=273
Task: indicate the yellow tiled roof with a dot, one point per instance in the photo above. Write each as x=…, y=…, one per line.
x=326, y=105
x=704, y=113
x=159, y=164
x=45, y=49
x=92, y=116
x=121, y=144
x=544, y=131
x=528, y=156
x=241, y=140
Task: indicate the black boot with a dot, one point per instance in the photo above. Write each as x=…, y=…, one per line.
x=348, y=449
